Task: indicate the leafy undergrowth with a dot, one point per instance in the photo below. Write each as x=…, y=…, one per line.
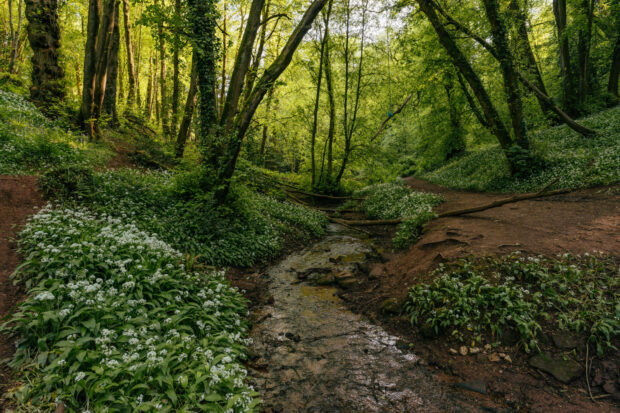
x=117, y=320
x=250, y=228
x=520, y=295
x=29, y=142
x=395, y=200
x=575, y=161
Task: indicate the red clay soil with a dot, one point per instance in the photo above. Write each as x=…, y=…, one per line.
x=576, y=222
x=18, y=199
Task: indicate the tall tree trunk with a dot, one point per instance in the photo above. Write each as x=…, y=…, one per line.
x=512, y=87
x=265, y=131
x=78, y=78
x=165, y=121
x=203, y=21
x=332, y=105
x=138, y=59
x=112, y=80
x=527, y=55
x=15, y=34
x=569, y=92
x=583, y=52
x=496, y=126
x=149, y=90
x=90, y=63
x=105, y=39
x=315, y=114
x=224, y=51
x=190, y=105
x=349, y=127
x=258, y=55
x=47, y=90
x=614, y=70
x=131, y=68
x=174, y=119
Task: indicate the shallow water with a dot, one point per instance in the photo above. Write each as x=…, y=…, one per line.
x=317, y=356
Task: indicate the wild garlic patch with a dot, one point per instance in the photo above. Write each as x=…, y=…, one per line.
x=395, y=200
x=116, y=320
x=470, y=299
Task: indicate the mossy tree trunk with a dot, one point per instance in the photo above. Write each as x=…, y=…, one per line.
x=47, y=91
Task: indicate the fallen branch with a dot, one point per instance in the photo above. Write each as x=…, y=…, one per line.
x=465, y=211
x=587, y=132
x=367, y=221
x=345, y=224
x=396, y=112
x=312, y=194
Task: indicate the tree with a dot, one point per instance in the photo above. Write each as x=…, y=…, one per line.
x=47, y=90
x=221, y=143
x=131, y=67
x=569, y=88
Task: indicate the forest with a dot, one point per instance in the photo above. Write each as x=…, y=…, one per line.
x=309, y=205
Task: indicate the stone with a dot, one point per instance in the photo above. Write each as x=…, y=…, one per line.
x=294, y=337
x=390, y=306
x=453, y=351
x=487, y=347
x=326, y=279
x=346, y=282
x=463, y=351
x=564, y=370
x=477, y=386
x=507, y=358
x=475, y=350
x=565, y=340
x=343, y=275
x=494, y=358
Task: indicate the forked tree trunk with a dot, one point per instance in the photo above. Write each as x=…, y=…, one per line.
x=614, y=71
x=226, y=167
x=105, y=39
x=509, y=75
x=88, y=88
x=47, y=90
x=496, y=126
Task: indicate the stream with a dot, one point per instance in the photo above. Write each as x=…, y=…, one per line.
x=315, y=355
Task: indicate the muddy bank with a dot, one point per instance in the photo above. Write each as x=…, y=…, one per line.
x=313, y=354
x=18, y=199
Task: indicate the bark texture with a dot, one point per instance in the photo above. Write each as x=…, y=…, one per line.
x=47, y=90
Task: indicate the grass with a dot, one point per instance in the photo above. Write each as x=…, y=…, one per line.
x=472, y=298
x=30, y=143
x=574, y=160
x=252, y=227
x=395, y=200
x=117, y=320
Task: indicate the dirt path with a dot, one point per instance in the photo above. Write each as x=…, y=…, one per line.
x=577, y=222
x=18, y=199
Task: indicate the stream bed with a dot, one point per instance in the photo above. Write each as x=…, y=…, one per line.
x=315, y=355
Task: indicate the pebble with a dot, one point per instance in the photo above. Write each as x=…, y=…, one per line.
x=463, y=350
x=493, y=357
x=475, y=350
x=453, y=351
x=487, y=347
